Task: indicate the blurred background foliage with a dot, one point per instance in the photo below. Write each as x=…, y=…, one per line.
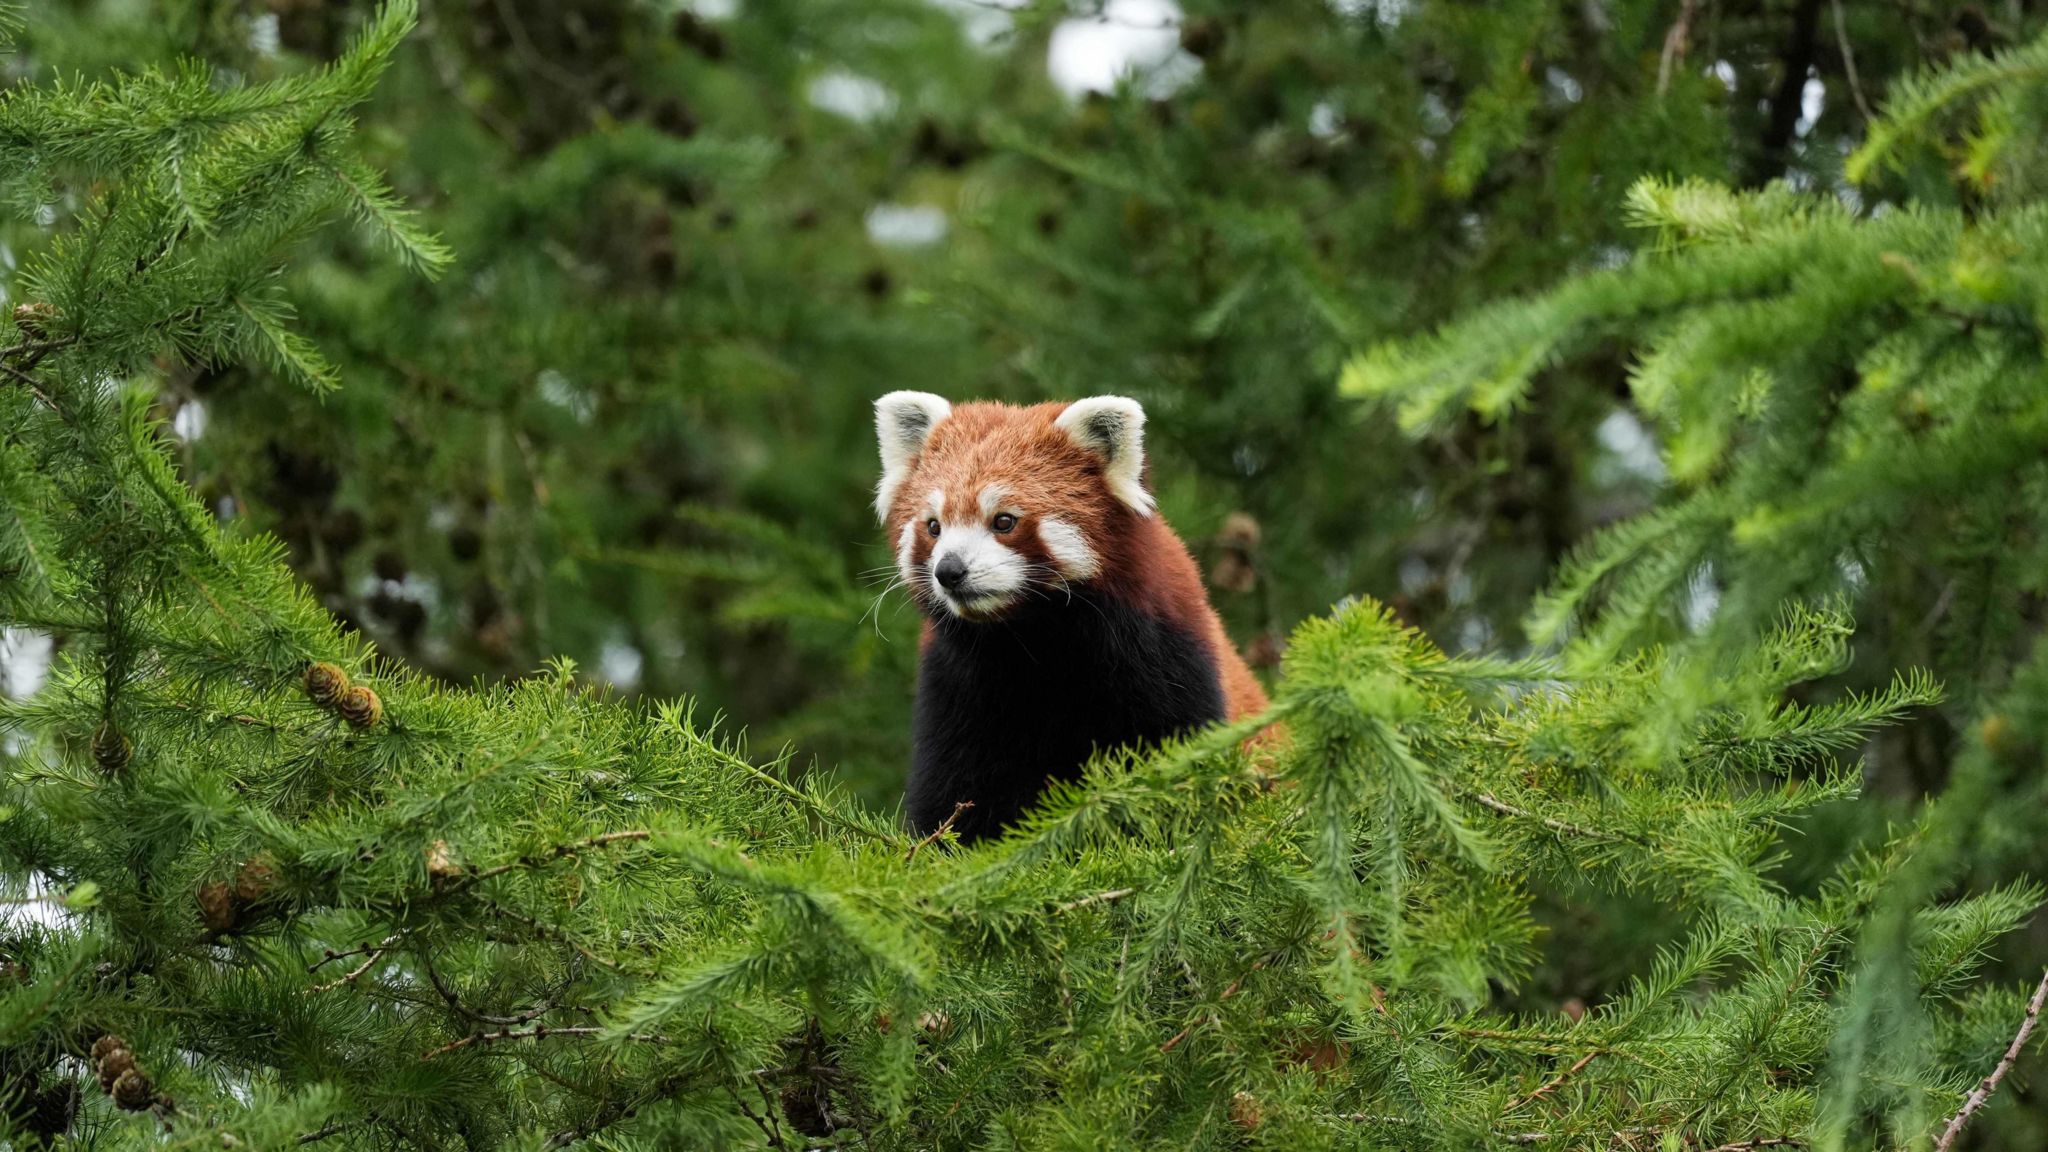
x=630, y=425
x=693, y=244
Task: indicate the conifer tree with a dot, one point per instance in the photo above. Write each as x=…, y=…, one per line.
x=665, y=226
x=269, y=887
x=1848, y=396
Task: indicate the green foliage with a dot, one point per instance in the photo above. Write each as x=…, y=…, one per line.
x=324, y=895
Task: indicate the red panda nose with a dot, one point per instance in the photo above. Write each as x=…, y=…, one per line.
x=951, y=572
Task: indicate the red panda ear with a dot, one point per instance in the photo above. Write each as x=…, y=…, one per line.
x=903, y=422
x=1112, y=428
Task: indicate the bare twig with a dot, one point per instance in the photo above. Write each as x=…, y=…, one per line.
x=537, y=1032
x=1097, y=898
x=330, y=956
x=773, y=1136
x=556, y=853
x=375, y=955
x=1676, y=41
x=1849, y=65
x=944, y=827
x=1554, y=1082
x=548, y=931
x=455, y=1003
x=1984, y=1089
x=1487, y=800
x=1229, y=991
x=332, y=1128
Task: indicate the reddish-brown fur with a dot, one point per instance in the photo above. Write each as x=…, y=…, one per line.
x=1143, y=562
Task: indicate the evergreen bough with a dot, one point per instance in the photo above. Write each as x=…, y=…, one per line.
x=269, y=890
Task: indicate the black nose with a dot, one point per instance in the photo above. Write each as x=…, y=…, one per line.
x=951, y=571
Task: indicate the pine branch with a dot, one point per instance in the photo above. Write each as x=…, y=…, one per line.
x=1982, y=1092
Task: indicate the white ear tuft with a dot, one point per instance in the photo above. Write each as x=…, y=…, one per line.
x=1113, y=428
x=903, y=422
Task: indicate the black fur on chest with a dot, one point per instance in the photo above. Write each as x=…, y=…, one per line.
x=1004, y=707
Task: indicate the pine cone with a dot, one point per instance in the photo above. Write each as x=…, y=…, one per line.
x=52, y=1111
x=325, y=683
x=110, y=749
x=106, y=1044
x=255, y=879
x=1240, y=531
x=1233, y=573
x=360, y=707
x=34, y=319
x=805, y=1107
x=217, y=907
x=1246, y=1112
x=133, y=1092
x=115, y=1064
x=441, y=863
x=1265, y=650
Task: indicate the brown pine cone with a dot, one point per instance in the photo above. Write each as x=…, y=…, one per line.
x=441, y=863
x=360, y=707
x=1246, y=1112
x=110, y=749
x=325, y=683
x=254, y=879
x=34, y=319
x=217, y=907
x=133, y=1092
x=115, y=1064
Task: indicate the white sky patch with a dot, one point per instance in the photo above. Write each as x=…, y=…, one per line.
x=851, y=95
x=189, y=423
x=1139, y=39
x=1702, y=598
x=906, y=225
x=415, y=587
x=1854, y=576
x=264, y=36
x=1436, y=115
x=1724, y=72
x=558, y=390
x=1562, y=86
x=1415, y=574
x=1634, y=449
x=712, y=9
x=1813, y=100
x=24, y=661
x=620, y=663
x=984, y=21
x=40, y=904
x=1474, y=635
x=1387, y=12
x=1325, y=120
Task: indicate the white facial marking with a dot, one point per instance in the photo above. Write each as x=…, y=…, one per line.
x=992, y=498
x=996, y=574
x=1070, y=551
x=906, y=546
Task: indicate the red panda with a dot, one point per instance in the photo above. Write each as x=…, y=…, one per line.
x=1062, y=615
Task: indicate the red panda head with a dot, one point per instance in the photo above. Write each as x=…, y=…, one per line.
x=991, y=504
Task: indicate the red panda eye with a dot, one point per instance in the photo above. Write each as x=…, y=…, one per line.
x=1004, y=522
x=932, y=526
